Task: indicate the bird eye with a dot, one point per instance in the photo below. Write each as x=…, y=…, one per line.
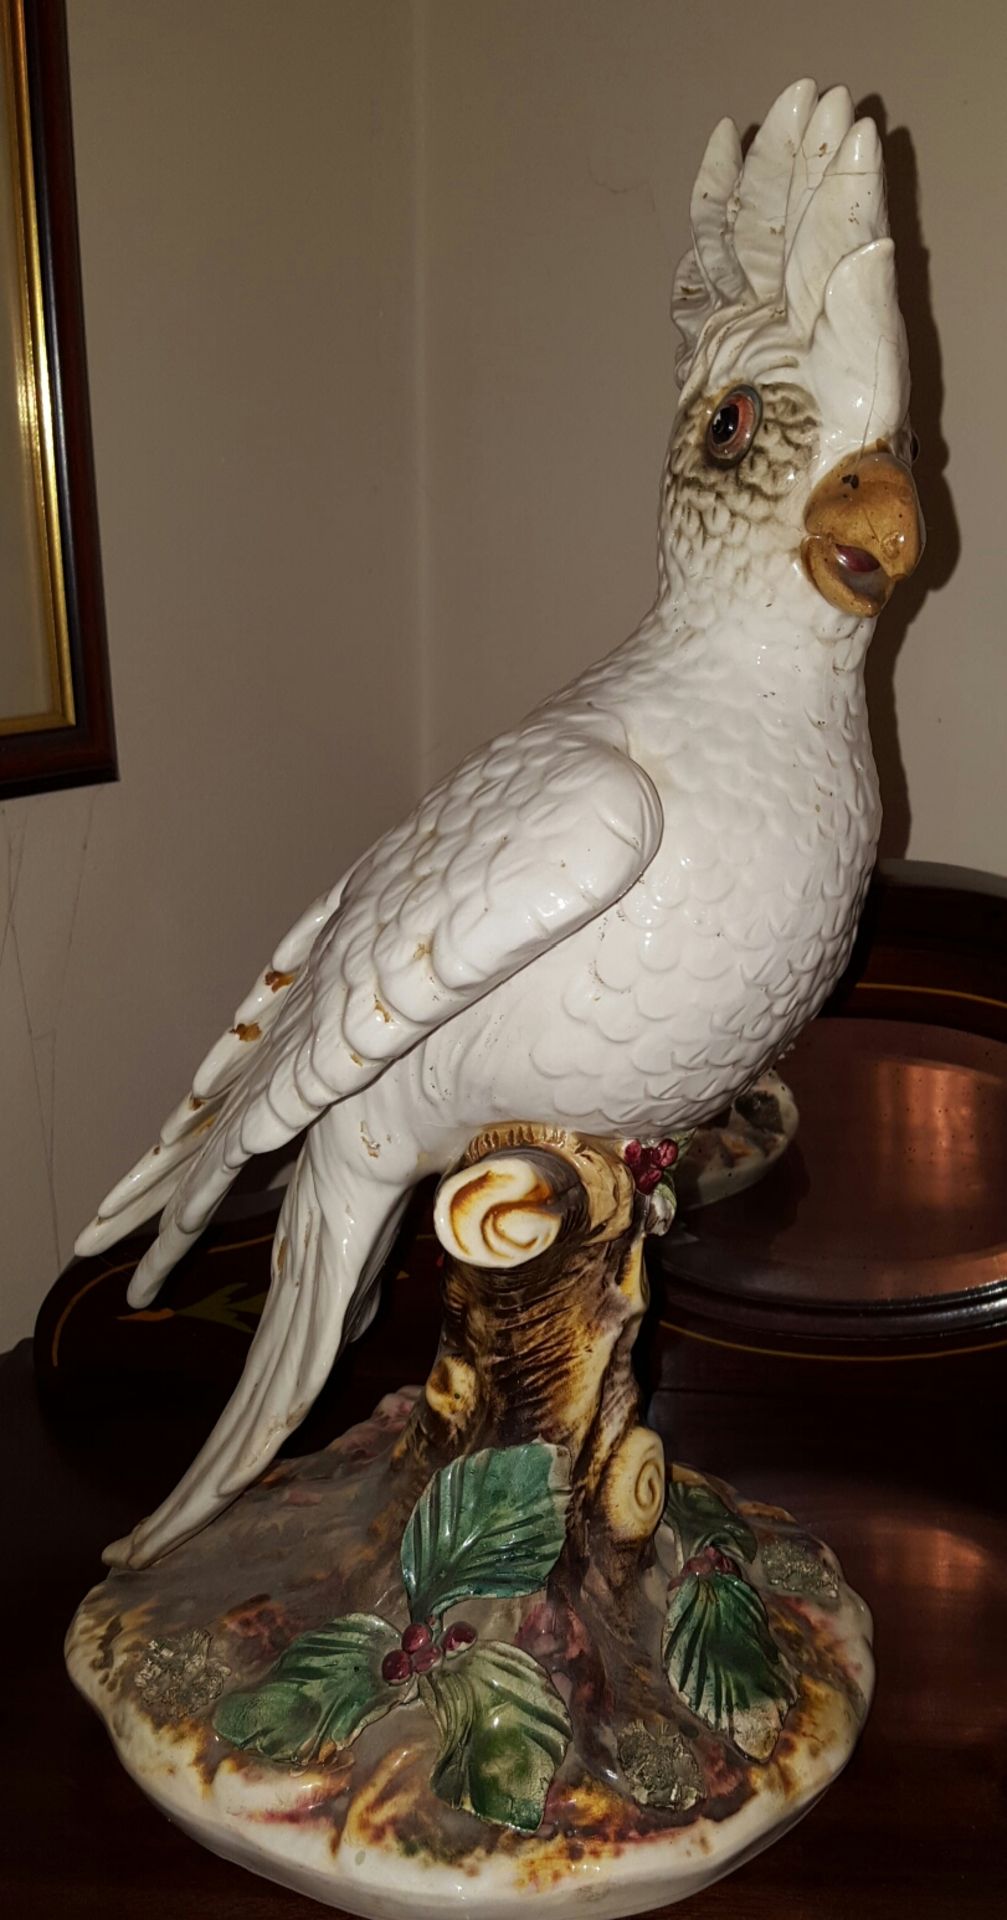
x=733, y=426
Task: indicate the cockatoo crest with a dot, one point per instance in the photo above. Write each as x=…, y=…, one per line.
x=791, y=272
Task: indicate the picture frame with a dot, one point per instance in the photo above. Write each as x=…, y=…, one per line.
x=56, y=726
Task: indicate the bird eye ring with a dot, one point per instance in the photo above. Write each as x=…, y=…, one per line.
x=733, y=426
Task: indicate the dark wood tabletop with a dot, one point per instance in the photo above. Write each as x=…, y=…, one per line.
x=898, y=1464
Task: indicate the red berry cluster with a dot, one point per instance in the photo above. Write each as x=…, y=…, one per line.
x=649, y=1164
x=710, y=1560
x=420, y=1651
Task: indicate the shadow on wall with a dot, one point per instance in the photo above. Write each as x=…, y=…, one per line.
x=943, y=536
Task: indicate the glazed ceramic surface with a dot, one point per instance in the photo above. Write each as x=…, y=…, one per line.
x=738, y=1147
x=489, y=1646
x=618, y=914
x=364, y=1829
x=493, y=1647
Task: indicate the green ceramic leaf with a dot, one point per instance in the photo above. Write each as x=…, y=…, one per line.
x=722, y=1660
x=326, y=1687
x=492, y=1523
x=504, y=1731
x=702, y=1519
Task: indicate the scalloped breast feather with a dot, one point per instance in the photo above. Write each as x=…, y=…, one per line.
x=614, y=916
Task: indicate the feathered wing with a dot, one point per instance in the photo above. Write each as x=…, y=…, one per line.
x=150, y=1184
x=526, y=842
x=314, y=1273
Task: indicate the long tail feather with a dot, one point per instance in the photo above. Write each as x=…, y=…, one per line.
x=178, y=1231
x=316, y=1272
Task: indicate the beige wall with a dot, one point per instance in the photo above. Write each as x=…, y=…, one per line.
x=244, y=187
x=380, y=399
x=562, y=138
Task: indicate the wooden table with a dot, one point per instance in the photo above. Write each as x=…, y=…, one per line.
x=898, y=1463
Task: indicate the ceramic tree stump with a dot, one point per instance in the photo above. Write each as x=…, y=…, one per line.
x=491, y=1646
x=490, y=1643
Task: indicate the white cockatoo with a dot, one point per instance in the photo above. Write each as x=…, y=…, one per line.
x=614, y=916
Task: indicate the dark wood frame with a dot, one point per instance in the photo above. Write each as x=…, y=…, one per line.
x=83, y=751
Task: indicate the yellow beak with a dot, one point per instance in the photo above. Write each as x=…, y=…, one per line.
x=863, y=531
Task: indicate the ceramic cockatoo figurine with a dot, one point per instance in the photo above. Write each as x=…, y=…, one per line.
x=615, y=915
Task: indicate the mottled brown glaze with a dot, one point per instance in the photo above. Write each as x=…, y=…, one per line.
x=541, y=1350
x=537, y=1349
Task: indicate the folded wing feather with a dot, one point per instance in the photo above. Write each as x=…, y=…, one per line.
x=528, y=840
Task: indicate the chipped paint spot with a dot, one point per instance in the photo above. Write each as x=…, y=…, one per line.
x=247, y=1030
x=195, y=1103
x=380, y=1008
x=371, y=1145
x=355, y=1057
x=422, y=950
x=276, y=980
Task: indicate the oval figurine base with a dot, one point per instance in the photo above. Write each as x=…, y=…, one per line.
x=489, y=1646
x=647, y=1805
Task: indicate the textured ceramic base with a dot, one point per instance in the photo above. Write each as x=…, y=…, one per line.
x=647, y=1806
x=750, y=1138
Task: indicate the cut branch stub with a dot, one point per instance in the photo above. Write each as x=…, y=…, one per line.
x=632, y=1488
x=508, y=1209
x=544, y=1290
x=525, y=1186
